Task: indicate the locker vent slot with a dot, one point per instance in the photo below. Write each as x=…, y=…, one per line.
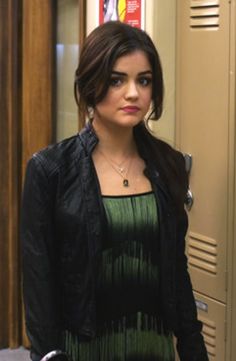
x=209, y=334
x=205, y=14
x=202, y=253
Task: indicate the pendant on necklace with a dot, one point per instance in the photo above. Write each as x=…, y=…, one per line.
x=125, y=183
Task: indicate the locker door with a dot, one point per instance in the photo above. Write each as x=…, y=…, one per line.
x=212, y=314
x=202, y=129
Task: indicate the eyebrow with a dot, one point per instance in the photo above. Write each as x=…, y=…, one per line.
x=114, y=72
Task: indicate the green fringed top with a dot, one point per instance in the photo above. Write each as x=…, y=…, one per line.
x=128, y=325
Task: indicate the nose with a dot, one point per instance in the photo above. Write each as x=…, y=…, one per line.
x=131, y=90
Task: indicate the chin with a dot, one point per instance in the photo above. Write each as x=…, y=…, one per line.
x=129, y=123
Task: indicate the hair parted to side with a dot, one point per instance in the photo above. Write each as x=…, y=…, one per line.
x=104, y=45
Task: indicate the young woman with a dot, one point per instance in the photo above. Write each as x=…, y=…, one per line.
x=103, y=219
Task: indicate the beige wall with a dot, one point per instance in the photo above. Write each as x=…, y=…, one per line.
x=67, y=59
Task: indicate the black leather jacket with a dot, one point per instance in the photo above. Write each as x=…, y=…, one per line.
x=61, y=231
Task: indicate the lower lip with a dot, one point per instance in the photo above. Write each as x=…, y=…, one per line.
x=130, y=110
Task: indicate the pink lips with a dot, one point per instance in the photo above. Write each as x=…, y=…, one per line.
x=130, y=109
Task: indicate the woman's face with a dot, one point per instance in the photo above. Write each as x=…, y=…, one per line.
x=130, y=92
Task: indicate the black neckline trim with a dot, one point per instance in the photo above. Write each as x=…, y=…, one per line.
x=126, y=195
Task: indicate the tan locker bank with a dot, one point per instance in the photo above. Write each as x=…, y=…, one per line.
x=205, y=128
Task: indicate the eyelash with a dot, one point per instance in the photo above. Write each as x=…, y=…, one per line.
x=144, y=81
x=115, y=81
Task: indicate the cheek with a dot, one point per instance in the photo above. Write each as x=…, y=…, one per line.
x=110, y=100
x=147, y=99
x=104, y=105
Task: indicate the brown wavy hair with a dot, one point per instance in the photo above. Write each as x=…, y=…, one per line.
x=101, y=49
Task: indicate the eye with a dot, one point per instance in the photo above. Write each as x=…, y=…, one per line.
x=145, y=81
x=115, y=81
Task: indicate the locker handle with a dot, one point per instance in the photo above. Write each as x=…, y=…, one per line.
x=189, y=200
x=188, y=166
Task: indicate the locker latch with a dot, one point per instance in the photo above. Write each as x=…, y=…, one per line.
x=188, y=166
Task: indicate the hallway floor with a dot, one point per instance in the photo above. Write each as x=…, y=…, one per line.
x=19, y=354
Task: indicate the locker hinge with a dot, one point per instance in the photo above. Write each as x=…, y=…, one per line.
x=226, y=331
x=226, y=280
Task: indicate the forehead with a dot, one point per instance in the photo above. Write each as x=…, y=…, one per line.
x=136, y=60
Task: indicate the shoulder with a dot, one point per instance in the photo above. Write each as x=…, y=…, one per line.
x=158, y=150
x=171, y=154
x=169, y=163
x=57, y=156
x=173, y=161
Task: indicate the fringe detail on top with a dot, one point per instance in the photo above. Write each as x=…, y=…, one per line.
x=119, y=341
x=127, y=263
x=128, y=326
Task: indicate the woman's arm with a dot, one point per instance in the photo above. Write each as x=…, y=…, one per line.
x=39, y=259
x=190, y=343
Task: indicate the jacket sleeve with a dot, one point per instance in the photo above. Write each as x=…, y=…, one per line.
x=190, y=343
x=40, y=286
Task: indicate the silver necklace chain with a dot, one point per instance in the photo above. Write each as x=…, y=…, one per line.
x=119, y=168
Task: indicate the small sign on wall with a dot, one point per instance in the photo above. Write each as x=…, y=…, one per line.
x=128, y=11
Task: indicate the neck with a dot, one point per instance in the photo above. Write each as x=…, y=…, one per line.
x=115, y=141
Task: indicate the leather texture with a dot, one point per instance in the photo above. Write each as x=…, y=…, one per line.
x=61, y=231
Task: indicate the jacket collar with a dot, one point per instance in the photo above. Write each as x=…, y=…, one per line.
x=88, y=138
x=89, y=141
